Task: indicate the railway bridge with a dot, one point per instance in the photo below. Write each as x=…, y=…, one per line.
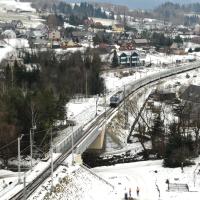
x=92, y=136
x=82, y=139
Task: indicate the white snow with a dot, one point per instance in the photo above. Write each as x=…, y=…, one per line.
x=104, y=22
x=14, y=5
x=161, y=58
x=4, y=52
x=74, y=182
x=11, y=45
x=143, y=174
x=14, y=187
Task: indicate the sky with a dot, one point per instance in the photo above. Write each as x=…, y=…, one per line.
x=141, y=4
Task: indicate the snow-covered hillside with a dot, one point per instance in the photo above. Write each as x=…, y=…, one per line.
x=16, y=5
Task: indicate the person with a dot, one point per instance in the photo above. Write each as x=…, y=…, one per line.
x=126, y=196
x=138, y=191
x=129, y=192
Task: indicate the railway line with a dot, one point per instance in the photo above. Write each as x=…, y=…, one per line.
x=98, y=122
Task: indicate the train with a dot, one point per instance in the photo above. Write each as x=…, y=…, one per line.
x=116, y=99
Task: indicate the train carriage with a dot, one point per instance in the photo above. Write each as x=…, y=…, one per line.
x=116, y=99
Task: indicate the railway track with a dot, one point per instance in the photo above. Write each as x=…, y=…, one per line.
x=131, y=89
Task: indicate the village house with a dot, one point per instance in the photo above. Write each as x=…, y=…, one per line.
x=129, y=58
x=79, y=36
x=127, y=46
x=177, y=49
x=54, y=35
x=119, y=28
x=9, y=34
x=141, y=42
x=123, y=38
x=69, y=44
x=17, y=24
x=39, y=43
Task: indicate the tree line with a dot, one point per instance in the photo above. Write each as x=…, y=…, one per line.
x=176, y=12
x=35, y=93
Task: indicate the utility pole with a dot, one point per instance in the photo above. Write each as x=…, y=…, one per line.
x=24, y=195
x=72, y=146
x=51, y=149
x=86, y=84
x=125, y=109
x=19, y=159
x=31, y=140
x=105, y=103
x=97, y=103
x=31, y=149
x=12, y=76
x=51, y=166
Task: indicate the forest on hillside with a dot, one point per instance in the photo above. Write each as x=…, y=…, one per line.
x=177, y=13
x=35, y=94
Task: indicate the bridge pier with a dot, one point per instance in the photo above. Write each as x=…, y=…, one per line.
x=98, y=145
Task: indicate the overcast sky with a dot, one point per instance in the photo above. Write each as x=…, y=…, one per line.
x=142, y=4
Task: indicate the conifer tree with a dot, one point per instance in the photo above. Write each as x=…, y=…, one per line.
x=115, y=62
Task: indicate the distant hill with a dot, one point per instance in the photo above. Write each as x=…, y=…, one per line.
x=131, y=4
x=141, y=4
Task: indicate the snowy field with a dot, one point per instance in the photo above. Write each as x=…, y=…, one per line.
x=14, y=5
x=146, y=175
x=10, y=46
x=75, y=182
x=161, y=58
x=13, y=9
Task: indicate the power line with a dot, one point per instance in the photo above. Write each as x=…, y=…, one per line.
x=8, y=144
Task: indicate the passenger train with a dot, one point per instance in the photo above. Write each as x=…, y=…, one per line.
x=116, y=99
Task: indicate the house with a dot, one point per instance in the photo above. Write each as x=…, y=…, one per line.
x=69, y=44
x=191, y=101
x=127, y=46
x=177, y=48
x=55, y=45
x=141, y=42
x=17, y=24
x=79, y=36
x=35, y=34
x=54, y=35
x=123, y=38
x=9, y=34
x=6, y=26
x=119, y=28
x=44, y=29
x=129, y=58
x=39, y=43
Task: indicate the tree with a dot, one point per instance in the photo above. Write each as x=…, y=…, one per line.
x=190, y=50
x=179, y=148
x=178, y=40
x=115, y=62
x=158, y=136
x=97, y=39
